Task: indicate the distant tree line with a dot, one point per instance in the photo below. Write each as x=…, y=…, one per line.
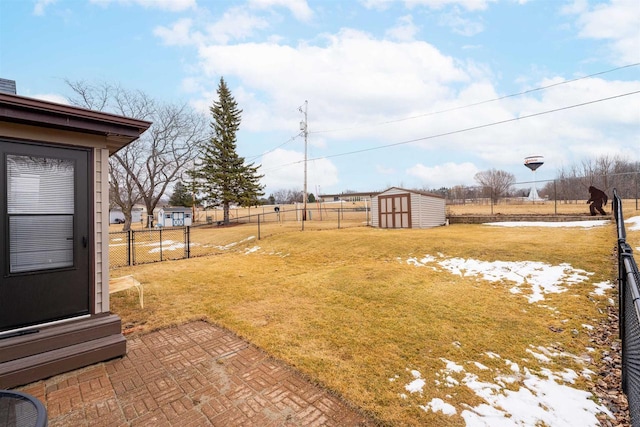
x=605, y=173
x=570, y=184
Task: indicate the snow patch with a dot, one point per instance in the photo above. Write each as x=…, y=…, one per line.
x=540, y=277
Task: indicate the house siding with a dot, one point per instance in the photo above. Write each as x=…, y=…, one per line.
x=101, y=213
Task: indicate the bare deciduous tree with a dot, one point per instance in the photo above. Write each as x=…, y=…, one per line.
x=143, y=170
x=288, y=196
x=496, y=182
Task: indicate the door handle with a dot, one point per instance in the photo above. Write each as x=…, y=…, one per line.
x=84, y=241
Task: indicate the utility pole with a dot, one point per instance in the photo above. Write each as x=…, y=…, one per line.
x=305, y=131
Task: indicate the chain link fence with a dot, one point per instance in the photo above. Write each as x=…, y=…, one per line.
x=562, y=196
x=629, y=303
x=143, y=246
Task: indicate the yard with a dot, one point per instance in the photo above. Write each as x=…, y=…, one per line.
x=417, y=327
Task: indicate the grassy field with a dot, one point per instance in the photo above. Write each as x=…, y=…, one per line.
x=358, y=309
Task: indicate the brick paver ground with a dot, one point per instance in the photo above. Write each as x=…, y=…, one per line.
x=196, y=375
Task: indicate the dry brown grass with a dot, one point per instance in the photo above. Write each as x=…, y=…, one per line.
x=345, y=308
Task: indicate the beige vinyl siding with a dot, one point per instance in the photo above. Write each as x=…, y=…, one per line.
x=427, y=211
x=102, y=230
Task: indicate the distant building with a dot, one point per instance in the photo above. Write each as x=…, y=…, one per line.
x=117, y=217
x=347, y=197
x=178, y=216
x=400, y=208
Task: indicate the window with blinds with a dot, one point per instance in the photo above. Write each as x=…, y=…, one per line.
x=40, y=208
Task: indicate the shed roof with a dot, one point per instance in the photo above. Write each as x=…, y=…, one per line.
x=175, y=209
x=423, y=193
x=118, y=130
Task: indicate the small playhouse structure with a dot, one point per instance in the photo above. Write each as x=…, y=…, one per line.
x=178, y=216
x=400, y=208
x=54, y=207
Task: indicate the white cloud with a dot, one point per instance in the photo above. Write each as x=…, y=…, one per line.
x=381, y=81
x=405, y=29
x=169, y=5
x=40, y=6
x=299, y=8
x=235, y=24
x=445, y=175
x=615, y=22
x=459, y=24
x=51, y=97
x=378, y=79
x=432, y=4
x=178, y=34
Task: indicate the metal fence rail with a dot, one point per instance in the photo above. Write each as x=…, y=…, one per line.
x=629, y=294
x=143, y=246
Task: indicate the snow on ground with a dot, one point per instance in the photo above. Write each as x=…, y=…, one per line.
x=166, y=245
x=170, y=245
x=540, y=277
x=532, y=398
x=539, y=397
x=635, y=223
x=583, y=224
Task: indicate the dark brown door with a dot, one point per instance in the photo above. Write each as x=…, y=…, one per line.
x=395, y=211
x=44, y=269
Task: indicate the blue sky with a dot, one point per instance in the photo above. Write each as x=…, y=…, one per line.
x=390, y=84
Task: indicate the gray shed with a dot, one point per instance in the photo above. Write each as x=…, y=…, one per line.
x=400, y=208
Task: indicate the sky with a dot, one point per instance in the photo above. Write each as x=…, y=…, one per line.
x=419, y=94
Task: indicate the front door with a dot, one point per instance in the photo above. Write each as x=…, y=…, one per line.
x=44, y=269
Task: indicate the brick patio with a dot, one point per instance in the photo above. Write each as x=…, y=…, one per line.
x=195, y=374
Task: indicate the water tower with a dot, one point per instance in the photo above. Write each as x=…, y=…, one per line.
x=533, y=163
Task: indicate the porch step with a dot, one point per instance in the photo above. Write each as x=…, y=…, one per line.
x=61, y=348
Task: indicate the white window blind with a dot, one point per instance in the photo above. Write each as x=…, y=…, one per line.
x=40, y=206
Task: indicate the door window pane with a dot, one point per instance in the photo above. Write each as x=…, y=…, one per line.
x=40, y=206
x=39, y=242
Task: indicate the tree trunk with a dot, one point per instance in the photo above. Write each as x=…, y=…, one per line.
x=126, y=211
x=225, y=210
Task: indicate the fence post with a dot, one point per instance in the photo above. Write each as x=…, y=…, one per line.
x=555, y=198
x=339, y=212
x=129, y=240
x=187, y=241
x=160, y=243
x=133, y=247
x=258, y=226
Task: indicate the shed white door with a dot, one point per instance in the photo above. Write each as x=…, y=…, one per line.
x=395, y=211
x=178, y=219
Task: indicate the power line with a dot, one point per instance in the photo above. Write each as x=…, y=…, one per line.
x=486, y=125
x=478, y=103
x=293, y=138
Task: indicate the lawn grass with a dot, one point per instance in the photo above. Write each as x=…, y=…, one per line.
x=347, y=309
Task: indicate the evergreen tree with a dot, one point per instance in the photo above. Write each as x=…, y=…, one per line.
x=181, y=196
x=222, y=175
